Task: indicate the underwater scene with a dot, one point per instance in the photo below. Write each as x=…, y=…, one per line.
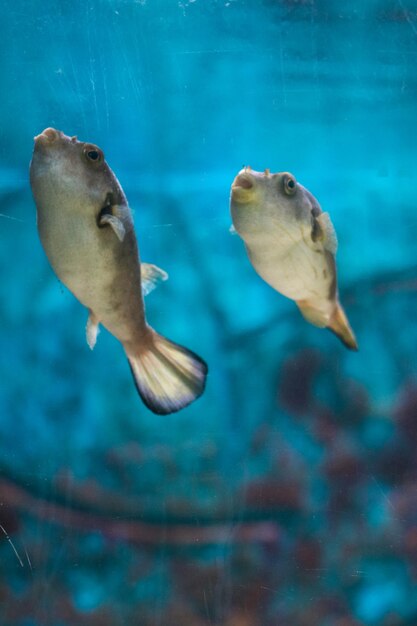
x=221, y=431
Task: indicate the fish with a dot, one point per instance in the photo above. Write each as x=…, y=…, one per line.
x=86, y=229
x=291, y=243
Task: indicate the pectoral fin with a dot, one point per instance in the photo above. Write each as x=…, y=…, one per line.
x=232, y=230
x=323, y=230
x=115, y=223
x=151, y=276
x=92, y=330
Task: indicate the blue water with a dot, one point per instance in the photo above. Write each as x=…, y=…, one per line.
x=287, y=494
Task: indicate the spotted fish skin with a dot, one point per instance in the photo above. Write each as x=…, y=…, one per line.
x=291, y=244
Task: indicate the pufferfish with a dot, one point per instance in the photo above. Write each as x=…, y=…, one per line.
x=291, y=244
x=86, y=229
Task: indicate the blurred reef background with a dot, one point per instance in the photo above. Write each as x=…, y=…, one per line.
x=287, y=495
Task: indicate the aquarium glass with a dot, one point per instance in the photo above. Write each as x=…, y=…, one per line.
x=286, y=495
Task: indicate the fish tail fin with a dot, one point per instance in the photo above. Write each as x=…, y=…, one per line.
x=167, y=376
x=339, y=324
x=312, y=314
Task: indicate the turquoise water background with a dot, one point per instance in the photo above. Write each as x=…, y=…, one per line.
x=287, y=495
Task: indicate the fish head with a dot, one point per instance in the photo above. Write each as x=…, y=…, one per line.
x=255, y=188
x=261, y=196
x=71, y=175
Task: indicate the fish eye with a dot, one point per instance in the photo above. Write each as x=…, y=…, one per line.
x=290, y=184
x=93, y=154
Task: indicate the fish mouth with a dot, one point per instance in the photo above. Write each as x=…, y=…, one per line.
x=49, y=139
x=243, y=182
x=246, y=180
x=47, y=136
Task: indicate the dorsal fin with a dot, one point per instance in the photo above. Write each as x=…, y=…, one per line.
x=151, y=276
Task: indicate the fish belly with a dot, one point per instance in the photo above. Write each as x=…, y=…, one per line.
x=298, y=272
x=89, y=263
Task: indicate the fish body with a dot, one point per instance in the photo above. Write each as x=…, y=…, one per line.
x=86, y=229
x=291, y=244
